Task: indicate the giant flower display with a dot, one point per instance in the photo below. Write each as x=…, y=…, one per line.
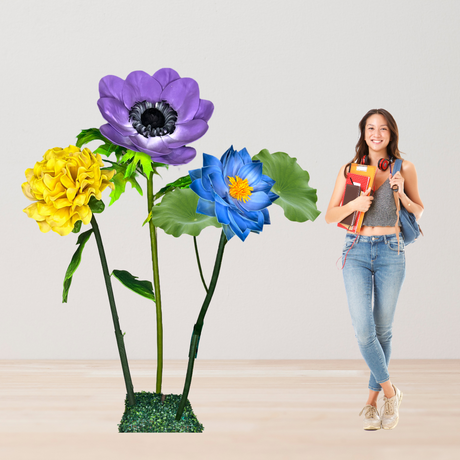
x=61, y=186
x=156, y=114
x=235, y=191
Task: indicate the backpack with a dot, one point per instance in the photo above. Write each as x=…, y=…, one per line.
x=409, y=226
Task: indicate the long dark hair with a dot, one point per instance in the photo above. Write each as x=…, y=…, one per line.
x=362, y=148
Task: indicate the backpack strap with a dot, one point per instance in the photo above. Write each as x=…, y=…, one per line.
x=396, y=168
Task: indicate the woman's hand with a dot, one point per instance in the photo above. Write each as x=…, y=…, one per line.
x=398, y=180
x=363, y=202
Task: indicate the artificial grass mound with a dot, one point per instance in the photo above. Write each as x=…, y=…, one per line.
x=151, y=415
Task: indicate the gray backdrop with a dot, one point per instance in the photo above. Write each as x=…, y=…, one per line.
x=295, y=76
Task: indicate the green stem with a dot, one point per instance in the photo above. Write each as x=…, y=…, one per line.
x=113, y=308
x=199, y=326
x=156, y=283
x=199, y=263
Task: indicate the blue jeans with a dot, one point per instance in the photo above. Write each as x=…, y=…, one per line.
x=373, y=265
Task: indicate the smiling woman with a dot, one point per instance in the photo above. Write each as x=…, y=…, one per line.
x=375, y=257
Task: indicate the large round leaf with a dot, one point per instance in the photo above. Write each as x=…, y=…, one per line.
x=296, y=197
x=177, y=214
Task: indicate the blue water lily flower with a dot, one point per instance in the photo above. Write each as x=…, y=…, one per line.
x=235, y=191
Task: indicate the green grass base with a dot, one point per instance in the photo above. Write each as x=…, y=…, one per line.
x=150, y=415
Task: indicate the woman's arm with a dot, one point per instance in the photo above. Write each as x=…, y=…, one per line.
x=407, y=182
x=335, y=212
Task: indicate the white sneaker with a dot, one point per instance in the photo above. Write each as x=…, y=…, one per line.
x=371, y=418
x=390, y=415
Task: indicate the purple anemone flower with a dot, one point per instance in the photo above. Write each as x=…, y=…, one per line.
x=156, y=114
x=235, y=191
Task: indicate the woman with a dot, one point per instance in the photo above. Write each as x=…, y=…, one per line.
x=375, y=258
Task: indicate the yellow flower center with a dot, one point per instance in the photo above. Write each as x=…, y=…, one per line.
x=240, y=189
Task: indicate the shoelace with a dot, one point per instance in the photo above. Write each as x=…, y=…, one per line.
x=388, y=406
x=371, y=411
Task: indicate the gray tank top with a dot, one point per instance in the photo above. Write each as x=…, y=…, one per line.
x=382, y=212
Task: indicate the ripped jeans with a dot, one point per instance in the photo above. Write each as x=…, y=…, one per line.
x=373, y=266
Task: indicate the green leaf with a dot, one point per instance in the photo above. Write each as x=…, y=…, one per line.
x=96, y=206
x=107, y=148
x=141, y=287
x=182, y=182
x=74, y=263
x=77, y=227
x=120, y=182
x=296, y=197
x=137, y=158
x=176, y=214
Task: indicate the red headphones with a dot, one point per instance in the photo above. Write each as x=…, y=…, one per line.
x=382, y=164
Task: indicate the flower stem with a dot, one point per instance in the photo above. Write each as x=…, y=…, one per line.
x=113, y=308
x=199, y=325
x=156, y=283
x=199, y=263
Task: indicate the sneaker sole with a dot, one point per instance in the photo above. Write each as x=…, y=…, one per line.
x=397, y=420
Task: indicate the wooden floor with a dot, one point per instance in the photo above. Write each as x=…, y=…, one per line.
x=253, y=410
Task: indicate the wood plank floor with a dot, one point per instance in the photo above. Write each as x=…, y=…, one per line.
x=251, y=410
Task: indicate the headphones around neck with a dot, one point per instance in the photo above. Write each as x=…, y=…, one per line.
x=382, y=164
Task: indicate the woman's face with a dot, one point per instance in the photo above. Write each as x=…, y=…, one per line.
x=377, y=133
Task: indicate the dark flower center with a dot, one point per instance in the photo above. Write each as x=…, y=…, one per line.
x=152, y=120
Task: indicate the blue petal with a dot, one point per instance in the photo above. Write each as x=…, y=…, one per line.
x=245, y=157
x=266, y=216
x=238, y=232
x=225, y=156
x=272, y=196
x=222, y=213
x=262, y=186
x=234, y=163
x=209, y=160
x=229, y=233
x=250, y=215
x=238, y=220
x=206, y=171
x=219, y=185
x=223, y=202
x=257, y=202
x=257, y=226
x=198, y=188
x=205, y=207
x=252, y=172
x=195, y=174
x=268, y=179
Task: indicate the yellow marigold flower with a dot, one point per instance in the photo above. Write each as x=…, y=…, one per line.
x=61, y=186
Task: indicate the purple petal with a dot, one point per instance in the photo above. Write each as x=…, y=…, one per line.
x=184, y=97
x=180, y=156
x=111, y=86
x=150, y=144
x=219, y=185
x=116, y=114
x=222, y=214
x=165, y=76
x=198, y=188
x=185, y=133
x=140, y=86
x=205, y=110
x=114, y=136
x=205, y=207
x=252, y=172
x=257, y=201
